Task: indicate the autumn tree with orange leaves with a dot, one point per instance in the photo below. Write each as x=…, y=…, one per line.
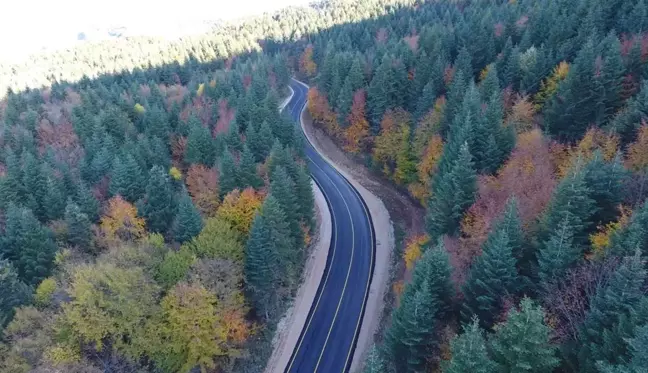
x=202, y=185
x=357, y=135
x=306, y=64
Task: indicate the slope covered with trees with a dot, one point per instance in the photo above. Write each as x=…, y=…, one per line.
x=520, y=126
x=156, y=188
x=150, y=222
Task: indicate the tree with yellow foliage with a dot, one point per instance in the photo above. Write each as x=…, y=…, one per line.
x=238, y=209
x=549, y=86
x=121, y=221
x=413, y=249
x=637, y=157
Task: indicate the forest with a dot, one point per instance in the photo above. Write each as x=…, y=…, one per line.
x=148, y=186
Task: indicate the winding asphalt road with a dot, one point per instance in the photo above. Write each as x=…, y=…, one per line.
x=327, y=342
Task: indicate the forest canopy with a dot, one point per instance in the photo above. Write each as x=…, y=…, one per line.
x=149, y=186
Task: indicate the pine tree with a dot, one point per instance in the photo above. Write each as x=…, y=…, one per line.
x=558, y=253
x=13, y=292
x=200, y=145
x=425, y=301
x=616, y=298
x=229, y=173
x=379, y=93
x=522, y=343
x=571, y=110
x=233, y=138
x=374, y=363
x=28, y=245
x=188, y=222
x=261, y=267
x=492, y=277
x=455, y=100
x=34, y=185
x=254, y=142
x=638, y=361
x=453, y=192
x=54, y=203
x=634, y=237
x=282, y=188
x=11, y=183
x=411, y=336
x=126, y=179
x=78, y=226
x=605, y=182
x=159, y=205
x=288, y=255
x=305, y=197
x=87, y=202
x=570, y=197
x=469, y=352
x=248, y=170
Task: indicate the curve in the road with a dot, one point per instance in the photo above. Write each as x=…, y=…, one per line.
x=327, y=341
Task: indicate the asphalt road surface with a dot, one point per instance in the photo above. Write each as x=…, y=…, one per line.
x=327, y=342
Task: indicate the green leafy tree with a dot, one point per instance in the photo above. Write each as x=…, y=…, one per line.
x=218, y=240
x=522, y=343
x=174, y=267
x=188, y=222
x=159, y=206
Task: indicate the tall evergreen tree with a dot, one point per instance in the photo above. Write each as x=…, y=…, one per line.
x=425, y=301
x=87, y=202
x=522, y=343
x=34, y=186
x=78, y=225
x=248, y=170
x=282, y=188
x=188, y=222
x=453, y=192
x=492, y=277
x=229, y=173
x=558, y=253
x=159, y=204
x=28, y=245
x=13, y=292
x=469, y=352
x=126, y=179
x=634, y=237
x=200, y=145
x=612, y=300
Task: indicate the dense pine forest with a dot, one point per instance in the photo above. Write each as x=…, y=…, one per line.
x=522, y=127
x=151, y=186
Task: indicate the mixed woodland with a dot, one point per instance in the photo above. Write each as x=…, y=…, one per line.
x=150, y=186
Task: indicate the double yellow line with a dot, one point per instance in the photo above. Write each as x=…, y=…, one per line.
x=314, y=310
